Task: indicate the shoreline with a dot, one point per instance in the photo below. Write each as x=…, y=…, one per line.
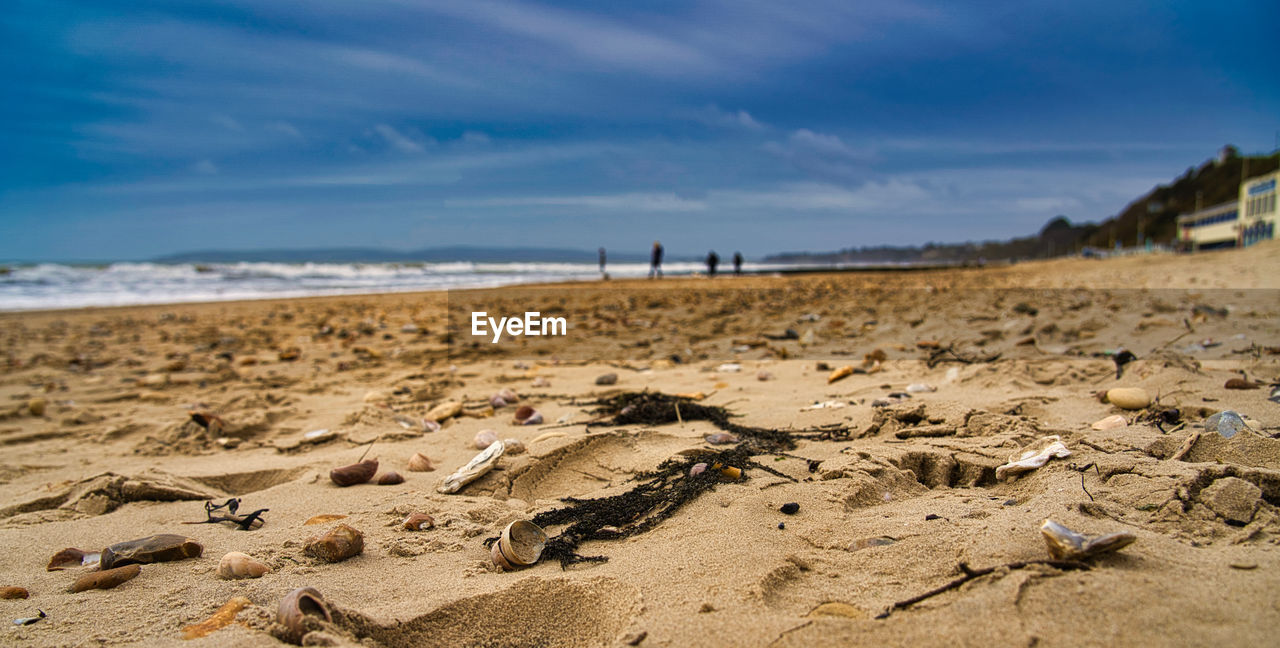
x=951, y=373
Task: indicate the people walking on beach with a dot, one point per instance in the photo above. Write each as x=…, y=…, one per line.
x=713, y=260
x=655, y=261
x=737, y=263
x=602, y=262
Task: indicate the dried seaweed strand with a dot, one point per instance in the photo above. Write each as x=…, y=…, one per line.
x=970, y=574
x=658, y=494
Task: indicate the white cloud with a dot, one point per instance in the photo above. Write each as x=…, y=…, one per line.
x=398, y=140
x=648, y=202
x=227, y=122
x=713, y=115
x=286, y=128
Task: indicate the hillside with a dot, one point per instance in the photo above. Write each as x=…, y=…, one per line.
x=1154, y=214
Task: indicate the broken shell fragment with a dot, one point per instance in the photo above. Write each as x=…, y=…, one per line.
x=420, y=463
x=1033, y=456
x=14, y=593
x=418, y=522
x=842, y=372
x=1241, y=383
x=337, y=545
x=295, y=609
x=697, y=469
x=504, y=397
x=513, y=446
x=151, y=549
x=323, y=518
x=236, y=565
x=1065, y=544
x=479, y=465
x=357, y=473
x=520, y=545
x=1227, y=423
x=105, y=579
x=1113, y=422
x=1130, y=398
x=220, y=619
x=526, y=415
x=390, y=478
x=72, y=557
x=444, y=410
x=721, y=438
x=484, y=439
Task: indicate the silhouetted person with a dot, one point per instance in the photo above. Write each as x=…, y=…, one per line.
x=601, y=260
x=655, y=261
x=737, y=263
x=713, y=260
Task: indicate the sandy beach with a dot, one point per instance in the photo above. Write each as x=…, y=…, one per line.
x=894, y=467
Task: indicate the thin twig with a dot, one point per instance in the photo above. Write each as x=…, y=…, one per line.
x=1187, y=445
x=970, y=574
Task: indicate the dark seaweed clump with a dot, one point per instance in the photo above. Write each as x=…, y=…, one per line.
x=653, y=408
x=658, y=494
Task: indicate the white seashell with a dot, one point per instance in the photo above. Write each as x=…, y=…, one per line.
x=430, y=425
x=1113, y=422
x=1065, y=544
x=478, y=466
x=824, y=405
x=729, y=367
x=920, y=388
x=1033, y=456
x=237, y=565
x=484, y=439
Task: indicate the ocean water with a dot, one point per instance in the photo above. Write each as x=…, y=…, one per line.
x=51, y=285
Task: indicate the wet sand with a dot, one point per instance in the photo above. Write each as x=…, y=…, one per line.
x=100, y=447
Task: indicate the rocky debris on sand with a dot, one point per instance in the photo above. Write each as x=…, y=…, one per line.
x=339, y=544
x=162, y=547
x=1235, y=499
x=105, y=579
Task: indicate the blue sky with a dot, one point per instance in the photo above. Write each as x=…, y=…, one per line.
x=135, y=129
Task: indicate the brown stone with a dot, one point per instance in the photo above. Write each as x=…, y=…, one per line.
x=164, y=547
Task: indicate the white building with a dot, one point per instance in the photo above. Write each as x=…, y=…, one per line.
x=1212, y=227
x=1258, y=209
x=1238, y=223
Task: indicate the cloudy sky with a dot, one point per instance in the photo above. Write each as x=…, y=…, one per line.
x=134, y=129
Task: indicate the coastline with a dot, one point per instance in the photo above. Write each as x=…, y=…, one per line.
x=890, y=511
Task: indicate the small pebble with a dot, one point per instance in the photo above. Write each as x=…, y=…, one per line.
x=13, y=593
x=933, y=516
x=790, y=508
x=782, y=526
x=607, y=379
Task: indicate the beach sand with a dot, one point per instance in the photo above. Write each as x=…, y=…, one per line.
x=99, y=447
